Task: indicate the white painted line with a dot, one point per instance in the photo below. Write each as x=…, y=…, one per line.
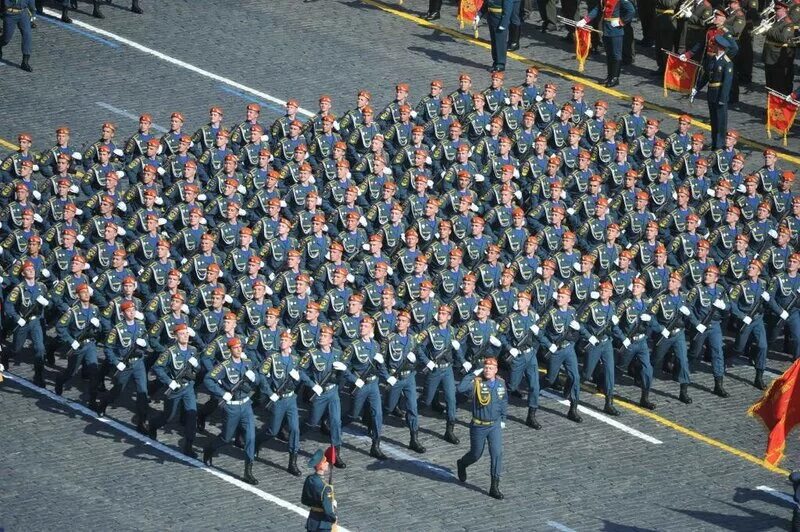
x=127, y=114
x=606, y=419
x=398, y=454
x=559, y=526
x=177, y=62
x=779, y=494
x=159, y=446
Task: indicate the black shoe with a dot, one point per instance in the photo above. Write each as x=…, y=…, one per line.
x=325, y=429
x=398, y=412
x=201, y=422
x=414, y=444
x=573, y=414
x=73, y=4
x=208, y=456
x=375, y=450
x=684, y=396
x=516, y=393
x=494, y=491
x=759, y=380
x=188, y=450
x=339, y=463
x=645, y=402
x=248, y=474
x=96, y=10
x=514, y=46
x=65, y=16
x=135, y=7
x=719, y=389
x=613, y=82
x=59, y=386
x=38, y=375
x=292, y=468
x=152, y=432
x=462, y=471
x=609, y=408
x=436, y=15
x=531, y=420
x=26, y=66
x=141, y=428
x=449, y=435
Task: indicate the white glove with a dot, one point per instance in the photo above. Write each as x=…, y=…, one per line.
x=118, y=152
x=365, y=246
x=683, y=57
x=77, y=156
x=534, y=328
x=192, y=332
x=784, y=315
x=645, y=317
x=514, y=352
x=765, y=296
x=121, y=366
x=250, y=375
x=593, y=340
x=159, y=200
x=747, y=320
x=477, y=371
x=692, y=95
x=74, y=189
x=570, y=211
x=274, y=397
x=518, y=194
x=502, y=424
x=411, y=357
x=701, y=328
x=773, y=233
x=38, y=217
x=350, y=278
x=577, y=266
x=720, y=304
x=138, y=315
x=80, y=238
x=121, y=231
x=741, y=188
x=35, y=167
x=37, y=195
x=227, y=396
x=507, y=100
x=42, y=301
x=456, y=344
x=413, y=113
x=95, y=322
x=201, y=197
x=317, y=389
x=271, y=276
x=141, y=342
x=339, y=366
x=553, y=348
x=428, y=160
x=359, y=383
x=480, y=178
x=684, y=310
x=495, y=341
x=581, y=23
x=378, y=358
x=430, y=365
x=589, y=113
x=193, y=362
x=122, y=206
x=185, y=308
x=269, y=291
x=228, y=299
x=665, y=333
x=467, y=365
x=362, y=221
x=594, y=294
x=392, y=381
x=626, y=342
x=615, y=24
x=161, y=171
x=174, y=385
x=574, y=325
x=21, y=322
x=474, y=208
x=539, y=98
x=294, y=374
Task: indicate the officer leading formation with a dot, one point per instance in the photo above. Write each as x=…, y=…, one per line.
x=305, y=275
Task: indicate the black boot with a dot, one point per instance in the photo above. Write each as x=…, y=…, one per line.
x=38, y=374
x=513, y=38
x=96, y=10
x=449, y=435
x=339, y=463
x=135, y=7
x=719, y=389
x=494, y=491
x=414, y=444
x=759, y=381
x=645, y=402
x=208, y=456
x=531, y=420
x=613, y=81
x=152, y=432
x=26, y=65
x=573, y=414
x=73, y=4
x=141, y=414
x=65, y=15
x=292, y=468
x=260, y=440
x=684, y=396
x=1, y=57
x=609, y=407
x=375, y=450
x=187, y=448
x=434, y=10
x=462, y=471
x=248, y=474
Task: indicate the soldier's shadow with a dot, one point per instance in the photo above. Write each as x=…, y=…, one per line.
x=743, y=495
x=410, y=468
x=753, y=520
x=442, y=57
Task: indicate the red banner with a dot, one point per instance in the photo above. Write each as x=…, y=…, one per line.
x=781, y=112
x=467, y=11
x=583, y=45
x=779, y=410
x=679, y=75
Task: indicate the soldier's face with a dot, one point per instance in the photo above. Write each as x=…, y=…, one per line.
x=24, y=144
x=325, y=339
x=217, y=300
x=128, y=289
x=260, y=291
x=702, y=252
x=215, y=117
x=753, y=270
x=103, y=156
x=464, y=85
x=730, y=141
x=175, y=305
x=83, y=295
x=183, y=336
x=302, y=288
x=661, y=258
x=354, y=306
x=793, y=265
x=770, y=159
x=272, y=320
x=442, y=317
x=403, y=323
x=206, y=244
x=77, y=266
x=563, y=300
x=495, y=128
x=469, y=286
x=62, y=165
x=599, y=111
x=479, y=103
x=387, y=299
x=482, y=312
x=489, y=371
x=229, y=324
x=638, y=289
x=175, y=123
x=62, y=138
x=549, y=93
x=312, y=314
x=116, y=261
x=129, y=313
x=683, y=126
x=173, y=280
x=144, y=125
x=636, y=106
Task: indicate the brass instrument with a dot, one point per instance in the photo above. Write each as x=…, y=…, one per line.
x=685, y=10
x=767, y=17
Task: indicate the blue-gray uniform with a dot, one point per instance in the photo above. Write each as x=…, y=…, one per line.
x=498, y=15
x=365, y=365
x=479, y=340
x=24, y=306
x=318, y=496
x=178, y=365
x=718, y=73
x=635, y=323
x=709, y=305
x=18, y=14
x=519, y=336
x=601, y=323
x=489, y=405
x=318, y=371
x=439, y=349
x=80, y=325
x=784, y=290
x=615, y=15
x=559, y=329
x=126, y=351
x=236, y=380
x=746, y=306
x=670, y=311
x=400, y=355
x=281, y=376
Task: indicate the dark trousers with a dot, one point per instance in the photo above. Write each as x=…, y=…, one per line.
x=548, y=12
x=666, y=36
x=712, y=340
x=23, y=22
x=718, y=115
x=604, y=351
x=499, y=41
x=525, y=364
x=478, y=435
x=285, y=408
x=779, y=77
x=407, y=389
x=647, y=16
x=569, y=9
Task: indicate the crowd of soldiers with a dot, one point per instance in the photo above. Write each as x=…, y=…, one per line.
x=339, y=257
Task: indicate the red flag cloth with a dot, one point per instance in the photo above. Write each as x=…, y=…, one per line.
x=468, y=10
x=679, y=75
x=781, y=113
x=583, y=44
x=779, y=410
x=330, y=454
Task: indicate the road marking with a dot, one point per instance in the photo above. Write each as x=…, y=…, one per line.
x=559, y=526
x=6, y=144
x=398, y=454
x=70, y=27
x=605, y=419
x=159, y=446
x=544, y=67
x=177, y=62
x=779, y=494
x=128, y=114
x=245, y=96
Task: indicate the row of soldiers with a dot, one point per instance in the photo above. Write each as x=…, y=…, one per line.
x=328, y=262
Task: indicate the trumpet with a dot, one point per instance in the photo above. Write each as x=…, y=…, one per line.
x=765, y=25
x=709, y=20
x=685, y=10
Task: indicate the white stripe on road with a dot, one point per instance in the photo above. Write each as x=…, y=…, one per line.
x=127, y=114
x=606, y=419
x=177, y=62
x=159, y=446
x=559, y=526
x=779, y=494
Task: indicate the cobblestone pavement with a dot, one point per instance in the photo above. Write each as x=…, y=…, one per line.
x=60, y=468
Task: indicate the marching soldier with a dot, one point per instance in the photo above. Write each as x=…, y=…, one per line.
x=707, y=303
x=747, y=299
x=670, y=311
x=635, y=323
x=25, y=307
x=19, y=14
